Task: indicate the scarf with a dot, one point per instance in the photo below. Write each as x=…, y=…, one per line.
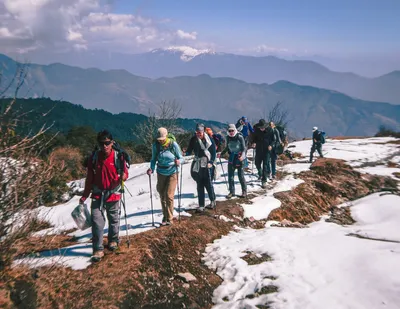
x=208, y=144
x=166, y=142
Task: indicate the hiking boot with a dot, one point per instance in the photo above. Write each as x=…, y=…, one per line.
x=163, y=223
x=264, y=185
x=112, y=246
x=244, y=194
x=200, y=209
x=97, y=256
x=212, y=205
x=230, y=195
x=169, y=222
x=273, y=176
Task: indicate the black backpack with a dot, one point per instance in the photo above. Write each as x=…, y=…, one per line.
x=282, y=133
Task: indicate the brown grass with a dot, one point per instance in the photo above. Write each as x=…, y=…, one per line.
x=142, y=276
x=392, y=164
x=329, y=182
x=69, y=159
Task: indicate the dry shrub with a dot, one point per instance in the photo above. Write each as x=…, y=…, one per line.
x=297, y=155
x=392, y=164
x=69, y=159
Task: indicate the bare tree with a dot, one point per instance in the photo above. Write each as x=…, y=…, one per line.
x=166, y=116
x=279, y=115
x=23, y=176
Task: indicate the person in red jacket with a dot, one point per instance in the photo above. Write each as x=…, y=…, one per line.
x=106, y=170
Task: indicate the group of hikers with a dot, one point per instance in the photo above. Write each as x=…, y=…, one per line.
x=107, y=170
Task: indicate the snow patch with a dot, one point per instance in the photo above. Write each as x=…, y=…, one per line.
x=187, y=52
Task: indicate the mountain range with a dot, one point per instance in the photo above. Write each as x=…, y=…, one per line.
x=220, y=99
x=187, y=61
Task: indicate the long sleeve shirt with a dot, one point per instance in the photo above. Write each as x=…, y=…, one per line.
x=198, y=151
x=165, y=158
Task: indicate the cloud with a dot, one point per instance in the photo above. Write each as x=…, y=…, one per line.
x=268, y=49
x=64, y=25
x=186, y=35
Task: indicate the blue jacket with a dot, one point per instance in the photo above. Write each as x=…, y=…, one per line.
x=166, y=159
x=244, y=128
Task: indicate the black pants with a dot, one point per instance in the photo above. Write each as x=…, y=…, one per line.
x=204, y=182
x=231, y=178
x=258, y=160
x=318, y=147
x=273, y=158
x=266, y=171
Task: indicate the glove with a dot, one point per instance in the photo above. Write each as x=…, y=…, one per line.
x=82, y=200
x=149, y=171
x=209, y=165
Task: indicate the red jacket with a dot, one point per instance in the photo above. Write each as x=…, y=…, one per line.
x=105, y=177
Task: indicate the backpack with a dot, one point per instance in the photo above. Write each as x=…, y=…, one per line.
x=120, y=155
x=170, y=147
x=282, y=133
x=322, y=137
x=218, y=139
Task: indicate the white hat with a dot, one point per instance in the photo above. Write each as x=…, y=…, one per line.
x=315, y=129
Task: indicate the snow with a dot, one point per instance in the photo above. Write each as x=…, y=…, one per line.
x=187, y=52
x=317, y=267
x=355, y=151
x=381, y=170
x=321, y=266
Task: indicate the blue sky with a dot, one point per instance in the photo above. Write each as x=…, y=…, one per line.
x=362, y=36
x=321, y=27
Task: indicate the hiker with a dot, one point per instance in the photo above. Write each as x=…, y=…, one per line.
x=274, y=151
x=263, y=139
x=218, y=139
x=317, y=140
x=236, y=147
x=244, y=127
x=204, y=150
x=104, y=171
x=168, y=156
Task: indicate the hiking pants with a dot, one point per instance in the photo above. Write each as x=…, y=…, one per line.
x=231, y=178
x=204, y=182
x=98, y=222
x=266, y=171
x=246, y=143
x=273, y=158
x=258, y=161
x=318, y=147
x=166, y=186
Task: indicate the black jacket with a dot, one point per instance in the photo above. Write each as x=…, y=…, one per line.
x=263, y=139
x=316, y=137
x=198, y=151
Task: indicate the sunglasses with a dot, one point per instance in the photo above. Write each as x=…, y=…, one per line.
x=230, y=131
x=107, y=143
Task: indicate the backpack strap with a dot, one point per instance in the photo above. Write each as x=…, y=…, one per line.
x=171, y=148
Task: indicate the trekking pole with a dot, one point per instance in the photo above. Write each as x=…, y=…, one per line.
x=151, y=199
x=179, y=194
x=123, y=203
x=252, y=165
x=223, y=172
x=129, y=191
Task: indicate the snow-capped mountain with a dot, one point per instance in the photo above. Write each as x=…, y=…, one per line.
x=186, y=53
